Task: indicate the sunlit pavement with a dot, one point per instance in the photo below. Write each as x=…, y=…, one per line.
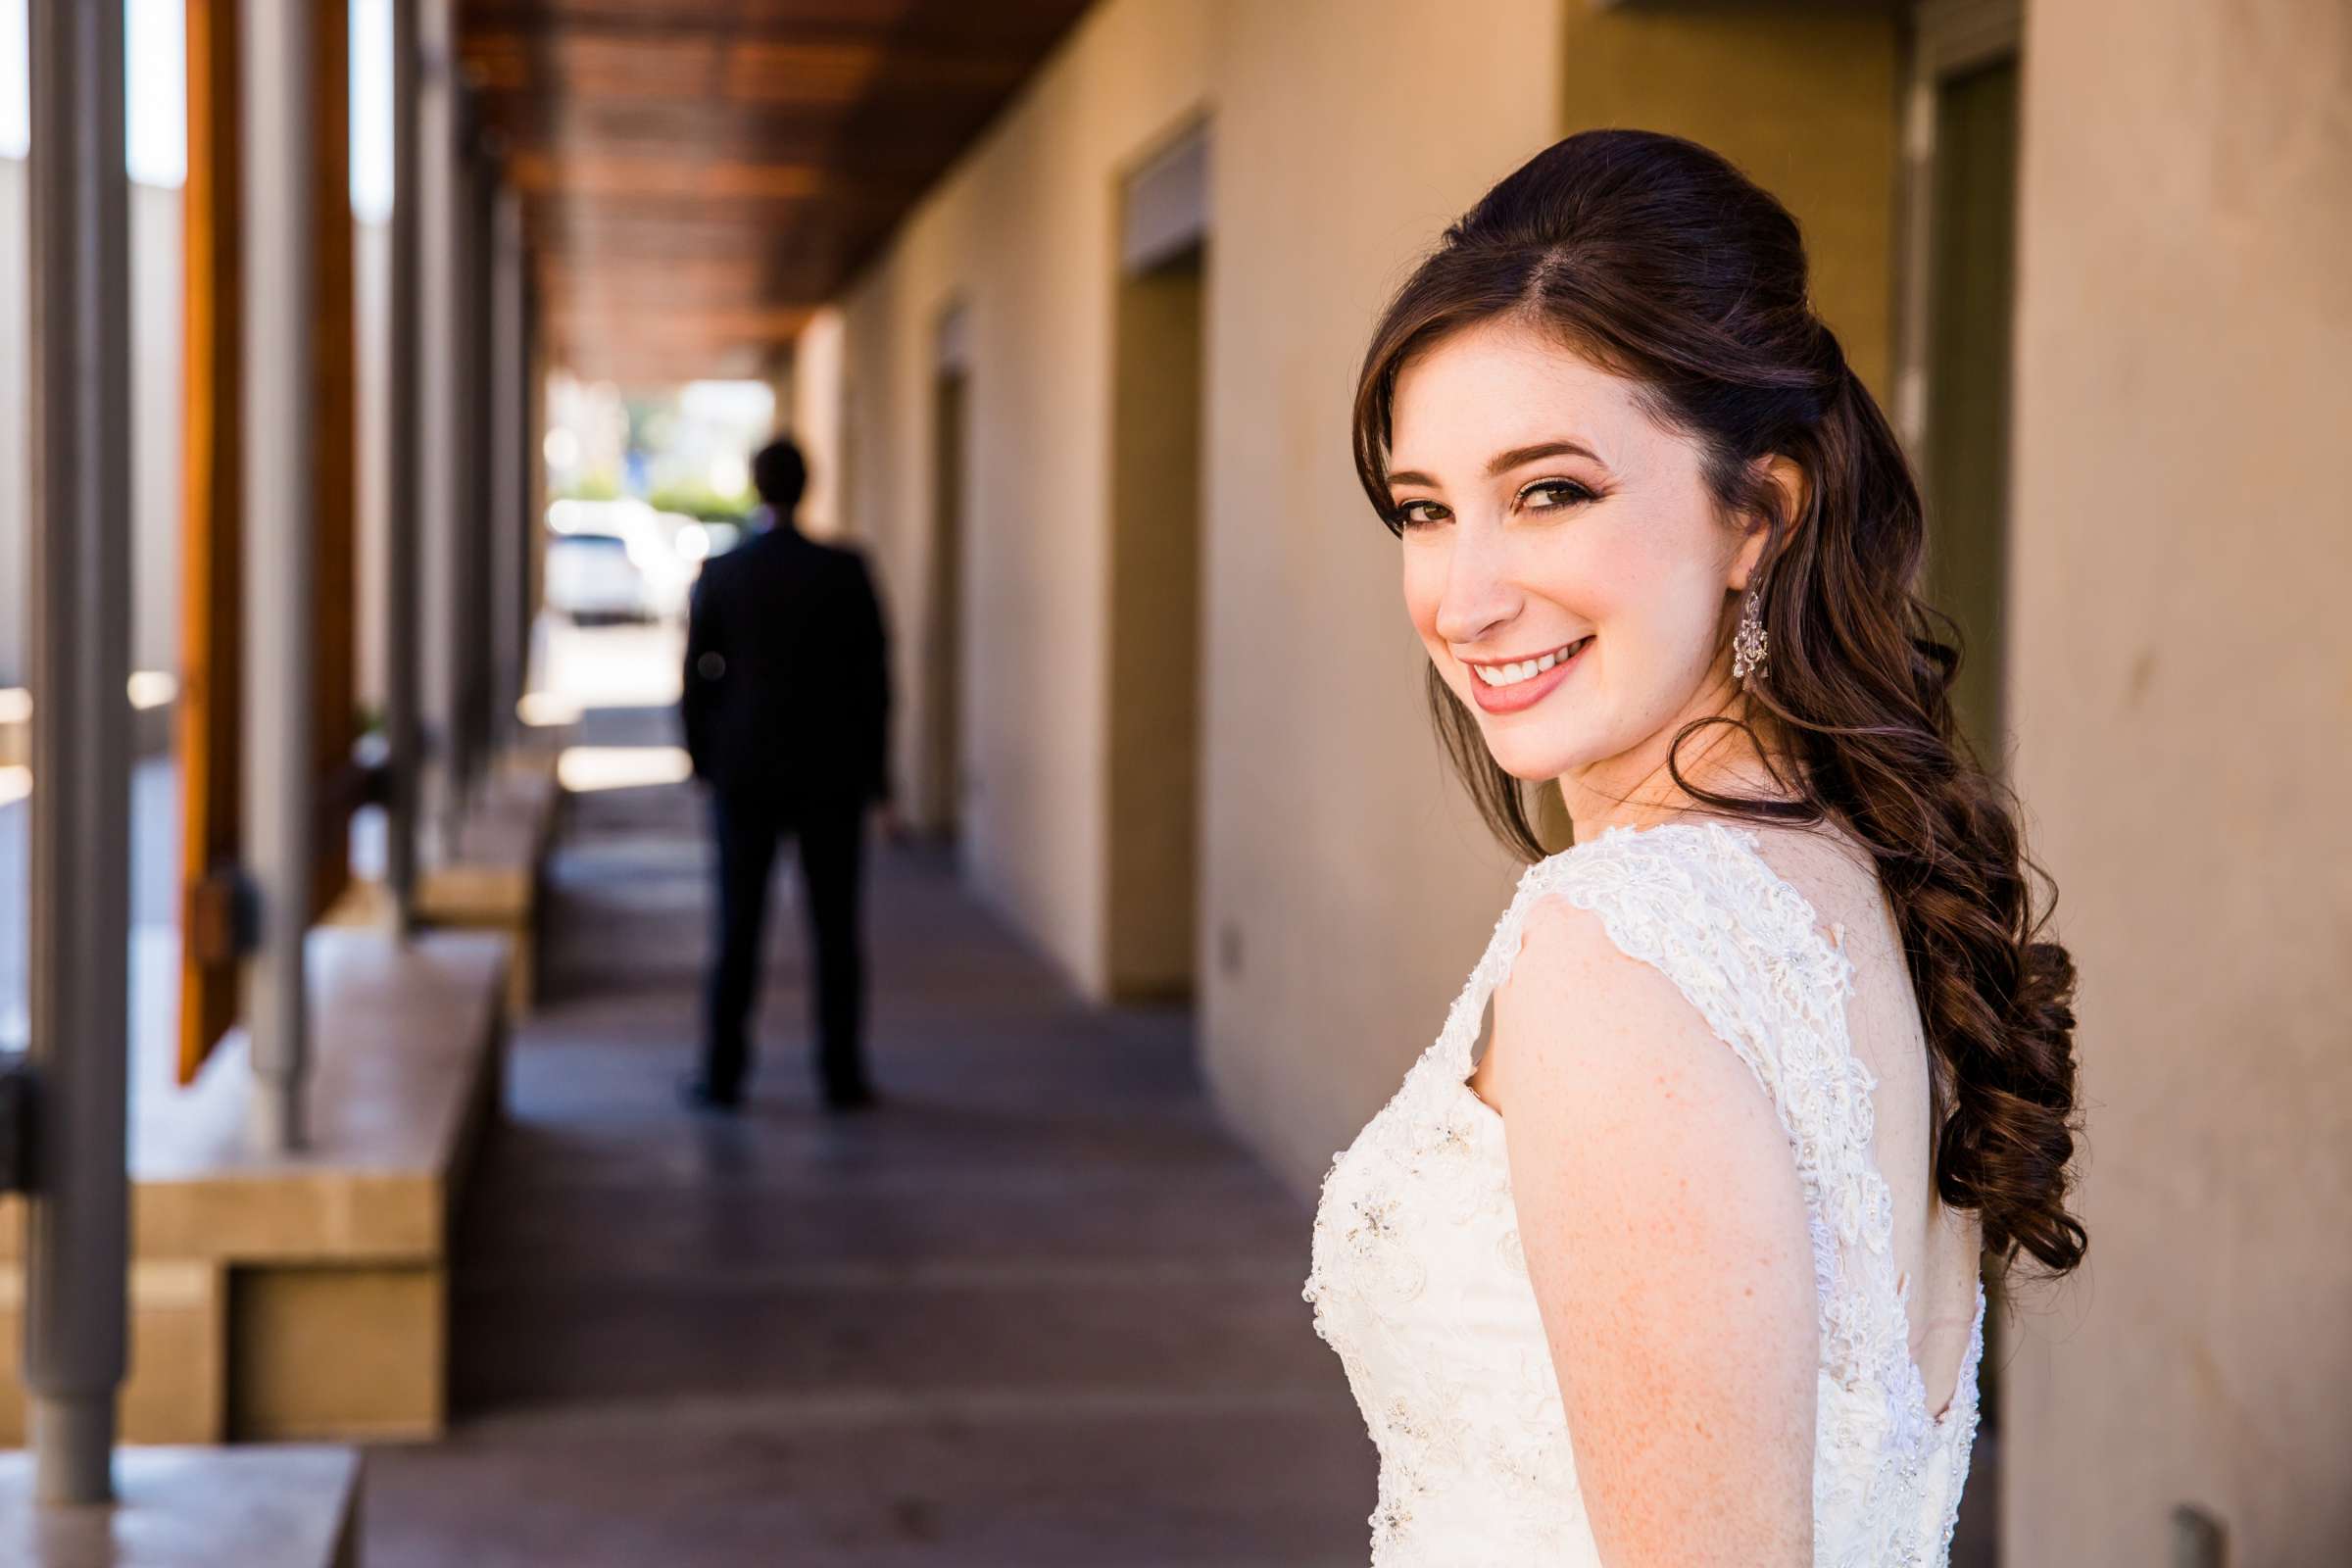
x=627, y=667
x=1034, y=1310
x=154, y=875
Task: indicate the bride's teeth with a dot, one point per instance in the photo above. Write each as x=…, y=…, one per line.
x=1526, y=669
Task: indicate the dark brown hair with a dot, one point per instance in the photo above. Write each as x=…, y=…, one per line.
x=1660, y=261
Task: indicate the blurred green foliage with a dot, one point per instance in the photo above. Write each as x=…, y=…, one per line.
x=598, y=486
x=703, y=504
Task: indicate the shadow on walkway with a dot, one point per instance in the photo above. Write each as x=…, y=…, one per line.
x=1036, y=1311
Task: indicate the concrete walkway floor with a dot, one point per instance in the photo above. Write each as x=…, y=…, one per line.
x=1036, y=1311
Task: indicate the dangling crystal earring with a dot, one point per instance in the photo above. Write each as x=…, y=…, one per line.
x=1747, y=640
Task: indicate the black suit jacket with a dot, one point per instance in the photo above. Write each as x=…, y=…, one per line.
x=787, y=689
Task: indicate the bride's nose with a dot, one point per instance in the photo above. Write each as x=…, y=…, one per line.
x=1480, y=598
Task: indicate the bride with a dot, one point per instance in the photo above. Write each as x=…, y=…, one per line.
x=1684, y=1268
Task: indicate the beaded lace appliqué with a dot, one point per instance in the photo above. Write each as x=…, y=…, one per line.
x=1420, y=1285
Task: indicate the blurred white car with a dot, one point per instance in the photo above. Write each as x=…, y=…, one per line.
x=666, y=547
x=592, y=578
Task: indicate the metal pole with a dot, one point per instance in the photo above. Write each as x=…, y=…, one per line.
x=507, y=515
x=462, y=518
x=78, y=1221
x=434, y=635
x=281, y=554
x=402, y=491
x=533, y=543
x=475, y=483
x=531, y=477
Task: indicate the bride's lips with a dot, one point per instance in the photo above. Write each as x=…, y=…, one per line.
x=1524, y=693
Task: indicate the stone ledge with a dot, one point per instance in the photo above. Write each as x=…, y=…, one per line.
x=304, y=1296
x=257, y=1508
x=491, y=880
x=399, y=1054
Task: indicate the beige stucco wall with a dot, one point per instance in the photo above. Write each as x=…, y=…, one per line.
x=1343, y=869
x=1022, y=232
x=2181, y=681
x=1345, y=887
x=813, y=418
x=1359, y=883
x=1800, y=95
x=2182, y=711
x=1338, y=866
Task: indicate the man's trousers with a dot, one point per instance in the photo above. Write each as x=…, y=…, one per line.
x=747, y=830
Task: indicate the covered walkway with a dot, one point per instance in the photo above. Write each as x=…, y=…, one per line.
x=1037, y=1309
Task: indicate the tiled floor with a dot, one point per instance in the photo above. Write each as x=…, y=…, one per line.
x=1036, y=1311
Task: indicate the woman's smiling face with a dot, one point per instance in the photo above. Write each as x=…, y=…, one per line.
x=1545, y=514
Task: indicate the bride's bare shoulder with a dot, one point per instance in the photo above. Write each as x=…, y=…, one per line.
x=1577, y=1009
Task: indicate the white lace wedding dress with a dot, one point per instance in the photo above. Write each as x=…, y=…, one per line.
x=1419, y=1283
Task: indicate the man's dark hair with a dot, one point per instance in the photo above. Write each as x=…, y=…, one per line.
x=781, y=475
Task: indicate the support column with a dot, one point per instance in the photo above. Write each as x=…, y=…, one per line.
x=439, y=434
x=77, y=1222
x=280, y=547
x=477, y=493
x=509, y=520
x=534, y=462
x=404, y=490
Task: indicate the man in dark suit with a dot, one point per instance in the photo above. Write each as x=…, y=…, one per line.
x=786, y=710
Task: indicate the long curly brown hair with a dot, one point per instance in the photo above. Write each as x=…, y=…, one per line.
x=1661, y=261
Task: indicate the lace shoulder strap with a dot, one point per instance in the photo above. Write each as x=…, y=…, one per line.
x=1697, y=901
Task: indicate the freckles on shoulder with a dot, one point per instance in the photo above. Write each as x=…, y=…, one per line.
x=1549, y=970
x=1575, y=999
x=1610, y=1079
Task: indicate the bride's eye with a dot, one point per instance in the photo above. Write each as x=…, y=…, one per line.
x=1414, y=513
x=1552, y=495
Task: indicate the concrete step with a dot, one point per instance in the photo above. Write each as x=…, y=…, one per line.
x=257, y=1508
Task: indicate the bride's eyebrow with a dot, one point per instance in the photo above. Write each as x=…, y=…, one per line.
x=1504, y=463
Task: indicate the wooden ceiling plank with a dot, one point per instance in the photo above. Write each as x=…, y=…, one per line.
x=699, y=174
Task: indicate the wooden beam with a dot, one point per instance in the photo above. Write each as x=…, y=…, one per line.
x=625, y=176
x=211, y=547
x=758, y=323
x=737, y=277
x=211, y=711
